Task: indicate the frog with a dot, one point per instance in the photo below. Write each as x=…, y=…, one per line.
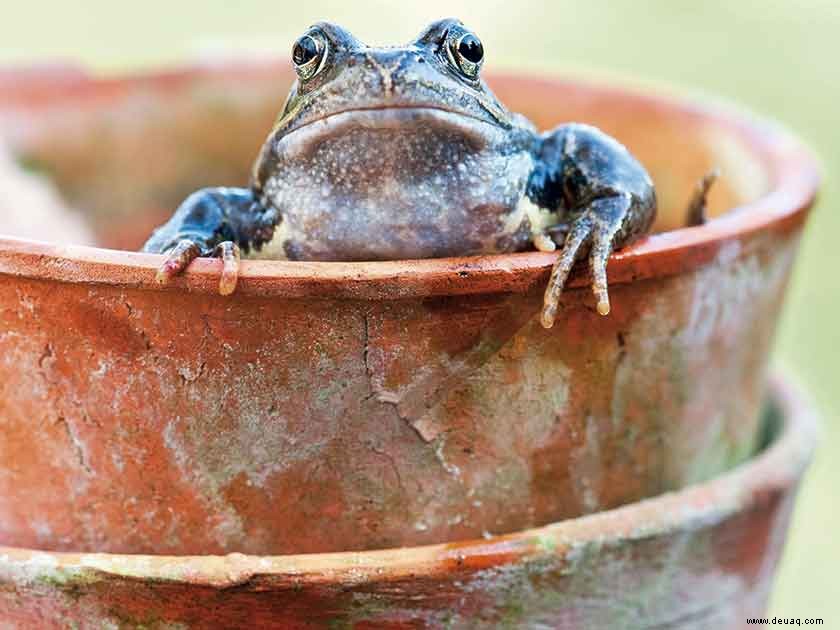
x=404, y=152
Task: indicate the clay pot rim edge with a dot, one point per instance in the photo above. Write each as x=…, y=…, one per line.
x=773, y=472
x=792, y=169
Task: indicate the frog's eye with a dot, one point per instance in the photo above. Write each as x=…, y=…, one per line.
x=467, y=53
x=309, y=54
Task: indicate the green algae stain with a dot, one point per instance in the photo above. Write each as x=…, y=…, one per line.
x=66, y=580
x=545, y=543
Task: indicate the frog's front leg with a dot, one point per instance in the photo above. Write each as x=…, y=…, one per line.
x=602, y=194
x=212, y=222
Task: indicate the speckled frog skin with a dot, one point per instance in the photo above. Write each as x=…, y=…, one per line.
x=404, y=152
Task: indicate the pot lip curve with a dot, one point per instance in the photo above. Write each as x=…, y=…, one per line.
x=792, y=169
x=774, y=471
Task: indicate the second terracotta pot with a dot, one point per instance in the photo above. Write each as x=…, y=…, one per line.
x=702, y=558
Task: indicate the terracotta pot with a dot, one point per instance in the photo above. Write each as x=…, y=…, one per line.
x=331, y=406
x=703, y=557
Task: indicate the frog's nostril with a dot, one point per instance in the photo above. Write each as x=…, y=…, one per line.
x=419, y=59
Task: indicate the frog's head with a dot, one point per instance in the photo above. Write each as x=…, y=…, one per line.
x=435, y=79
x=393, y=152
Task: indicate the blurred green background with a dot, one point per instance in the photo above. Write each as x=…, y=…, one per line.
x=779, y=58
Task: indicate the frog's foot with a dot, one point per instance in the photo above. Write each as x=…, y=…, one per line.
x=180, y=257
x=596, y=228
x=697, y=212
x=213, y=222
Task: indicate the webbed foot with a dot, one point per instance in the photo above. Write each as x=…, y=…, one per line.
x=596, y=228
x=214, y=222
x=697, y=212
x=603, y=197
x=180, y=257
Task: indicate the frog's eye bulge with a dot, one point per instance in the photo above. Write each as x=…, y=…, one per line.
x=466, y=52
x=309, y=54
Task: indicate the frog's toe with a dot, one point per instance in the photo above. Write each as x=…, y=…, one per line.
x=597, y=227
x=230, y=254
x=578, y=234
x=544, y=243
x=177, y=259
x=599, y=254
x=697, y=212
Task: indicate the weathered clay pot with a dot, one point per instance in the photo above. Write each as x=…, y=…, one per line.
x=703, y=557
x=332, y=406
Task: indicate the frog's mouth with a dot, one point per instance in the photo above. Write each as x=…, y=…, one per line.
x=467, y=128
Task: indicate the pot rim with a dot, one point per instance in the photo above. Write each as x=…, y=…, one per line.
x=792, y=171
x=773, y=471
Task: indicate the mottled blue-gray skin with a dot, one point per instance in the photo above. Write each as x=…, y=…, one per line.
x=404, y=152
